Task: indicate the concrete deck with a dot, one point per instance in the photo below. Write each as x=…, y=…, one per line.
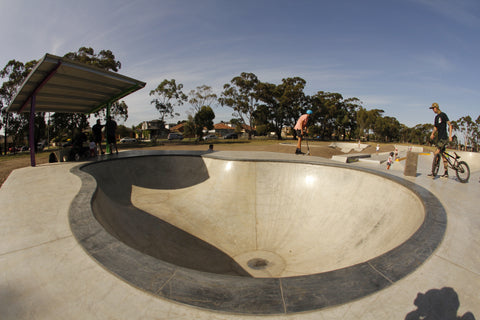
x=47, y=274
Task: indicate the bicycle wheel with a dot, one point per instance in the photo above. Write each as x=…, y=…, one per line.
x=463, y=171
x=435, y=164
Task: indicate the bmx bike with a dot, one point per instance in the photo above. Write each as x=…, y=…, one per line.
x=461, y=167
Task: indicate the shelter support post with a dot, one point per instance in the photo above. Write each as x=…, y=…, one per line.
x=107, y=148
x=31, y=133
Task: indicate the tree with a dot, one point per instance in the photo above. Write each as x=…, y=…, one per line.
x=267, y=94
x=65, y=124
x=123, y=131
x=242, y=96
x=404, y=133
x=238, y=125
x=118, y=111
x=334, y=114
x=104, y=60
x=387, y=128
x=361, y=122
x=202, y=96
x=347, y=117
x=367, y=120
x=466, y=126
x=203, y=119
x=262, y=125
x=455, y=128
x=292, y=102
x=15, y=125
x=167, y=96
x=476, y=134
x=316, y=104
x=420, y=134
x=189, y=127
x=285, y=102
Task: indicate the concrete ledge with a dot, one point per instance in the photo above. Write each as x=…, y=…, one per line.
x=349, y=146
x=349, y=158
x=373, y=161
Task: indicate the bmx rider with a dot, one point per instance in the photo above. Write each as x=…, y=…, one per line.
x=440, y=127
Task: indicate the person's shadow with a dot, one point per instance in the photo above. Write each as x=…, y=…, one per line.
x=438, y=304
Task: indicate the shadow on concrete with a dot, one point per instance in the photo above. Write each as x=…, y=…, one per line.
x=439, y=304
x=148, y=234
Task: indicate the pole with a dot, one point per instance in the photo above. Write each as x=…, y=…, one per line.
x=5, y=131
x=107, y=148
x=31, y=133
x=48, y=130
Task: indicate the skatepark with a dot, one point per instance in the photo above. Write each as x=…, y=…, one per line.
x=235, y=235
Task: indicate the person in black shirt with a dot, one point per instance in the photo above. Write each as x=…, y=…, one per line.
x=97, y=135
x=440, y=127
x=111, y=128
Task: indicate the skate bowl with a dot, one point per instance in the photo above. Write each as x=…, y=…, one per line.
x=472, y=159
x=252, y=236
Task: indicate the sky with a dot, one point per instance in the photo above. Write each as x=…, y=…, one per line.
x=396, y=55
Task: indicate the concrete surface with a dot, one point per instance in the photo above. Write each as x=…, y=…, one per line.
x=46, y=274
x=346, y=147
x=197, y=213
x=290, y=211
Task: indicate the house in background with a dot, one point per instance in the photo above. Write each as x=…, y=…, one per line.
x=221, y=129
x=153, y=129
x=178, y=128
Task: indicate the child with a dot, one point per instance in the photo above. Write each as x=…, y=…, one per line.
x=389, y=161
x=93, y=148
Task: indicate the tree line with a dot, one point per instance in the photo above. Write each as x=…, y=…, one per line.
x=258, y=107
x=266, y=107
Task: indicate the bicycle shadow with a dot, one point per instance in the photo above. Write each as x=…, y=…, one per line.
x=438, y=304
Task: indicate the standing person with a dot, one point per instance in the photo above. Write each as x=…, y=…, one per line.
x=440, y=127
x=111, y=128
x=92, y=145
x=390, y=161
x=301, y=130
x=97, y=135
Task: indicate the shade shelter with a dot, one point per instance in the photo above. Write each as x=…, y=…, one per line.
x=58, y=84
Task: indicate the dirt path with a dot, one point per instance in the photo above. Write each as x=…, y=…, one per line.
x=11, y=162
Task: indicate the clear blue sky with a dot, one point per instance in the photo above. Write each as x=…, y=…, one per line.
x=399, y=56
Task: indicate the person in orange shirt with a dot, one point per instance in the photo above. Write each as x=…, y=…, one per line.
x=301, y=129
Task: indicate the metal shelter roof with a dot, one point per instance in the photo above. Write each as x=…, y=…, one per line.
x=62, y=85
